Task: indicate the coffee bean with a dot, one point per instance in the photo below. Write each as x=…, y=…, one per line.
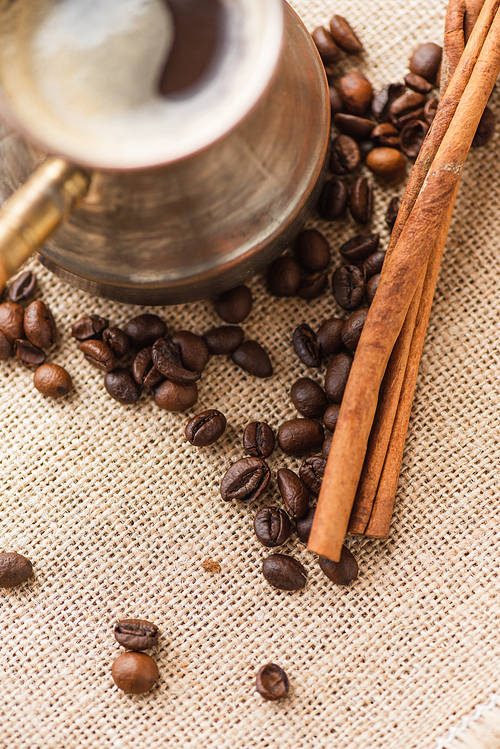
x=485, y=130
x=329, y=336
x=121, y=386
x=331, y=416
x=336, y=376
x=5, y=347
x=210, y=565
x=11, y=320
x=351, y=330
x=342, y=572
x=312, y=250
x=386, y=163
x=144, y=370
x=365, y=146
x=245, y=480
x=304, y=525
x=39, y=325
x=344, y=155
x=371, y=287
x=391, y=213
x=117, y=340
x=258, y=439
x=299, y=436
x=348, y=286
x=234, y=305
x=136, y=634
x=360, y=202
x=223, y=340
x=425, y=61
x=311, y=287
x=333, y=200
x=324, y=41
x=373, y=264
x=294, y=492
x=89, y=326
x=134, y=673
x=30, y=356
x=311, y=472
x=327, y=444
x=417, y=83
x=144, y=330
x=383, y=99
x=194, y=351
x=407, y=104
x=22, y=288
x=283, y=276
x=272, y=682
x=335, y=100
x=306, y=346
x=272, y=526
x=309, y=398
x=167, y=359
x=14, y=569
x=252, y=358
x=430, y=110
x=356, y=92
x=284, y=572
x=52, y=380
x=174, y=396
x=412, y=137
x=98, y=354
x=356, y=127
x=386, y=134
x=344, y=36
x=359, y=247
x=206, y=427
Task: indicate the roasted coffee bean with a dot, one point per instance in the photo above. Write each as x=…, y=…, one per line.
x=327, y=444
x=258, y=439
x=391, y=213
x=365, y=146
x=333, y=200
x=223, y=340
x=52, y=380
x=344, y=36
x=329, y=336
x=272, y=682
x=144, y=330
x=306, y=346
x=136, y=634
x=22, y=288
x=89, y=326
x=272, y=526
x=485, y=129
x=39, y=325
x=144, y=370
x=5, y=347
x=336, y=376
x=356, y=127
x=134, y=673
x=412, y=137
x=386, y=134
x=386, y=163
x=30, y=356
x=121, y=386
x=300, y=436
x=360, y=202
x=371, y=287
x=167, y=360
x=359, y=247
x=174, y=396
x=245, y=480
x=344, y=155
x=194, y=351
x=252, y=358
x=425, y=61
x=342, y=572
x=14, y=569
x=206, y=427
x=351, y=330
x=330, y=417
x=348, y=287
x=311, y=287
x=415, y=114
x=356, y=92
x=11, y=320
x=293, y=492
x=311, y=472
x=409, y=102
x=284, y=572
x=309, y=398
x=418, y=84
x=312, y=250
x=283, y=276
x=430, y=110
x=336, y=104
x=383, y=99
x=234, y=305
x=324, y=41
x=304, y=525
x=98, y=354
x=117, y=340
x=373, y=264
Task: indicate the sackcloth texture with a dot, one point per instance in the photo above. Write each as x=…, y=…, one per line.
x=117, y=513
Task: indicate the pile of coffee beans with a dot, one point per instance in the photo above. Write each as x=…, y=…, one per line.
x=135, y=672
x=14, y=569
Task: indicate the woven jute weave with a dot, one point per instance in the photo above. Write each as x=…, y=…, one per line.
x=117, y=513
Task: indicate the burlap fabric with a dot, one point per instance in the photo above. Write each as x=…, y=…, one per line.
x=117, y=513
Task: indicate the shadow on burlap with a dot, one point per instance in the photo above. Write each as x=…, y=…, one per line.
x=117, y=513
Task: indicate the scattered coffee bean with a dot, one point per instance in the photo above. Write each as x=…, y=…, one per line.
x=311, y=287
x=194, y=351
x=324, y=41
x=425, y=61
x=329, y=336
x=360, y=202
x=245, y=480
x=52, y=380
x=144, y=330
x=373, y=264
x=117, y=340
x=391, y=213
x=30, y=356
x=98, y=354
x=210, y=565
x=39, y=325
x=383, y=99
x=371, y=287
x=22, y=288
x=136, y=634
x=365, y=146
x=485, y=129
x=312, y=250
x=284, y=572
x=258, y=439
x=144, y=370
x=359, y=247
x=331, y=416
x=283, y=276
x=327, y=444
x=272, y=682
x=356, y=127
x=272, y=526
x=252, y=358
x=5, y=347
x=351, y=330
x=14, y=569
x=348, y=286
x=306, y=346
x=294, y=492
x=386, y=134
x=174, y=396
x=304, y=525
x=342, y=572
x=336, y=376
x=356, y=92
x=121, y=386
x=412, y=137
x=309, y=398
x=167, y=359
x=333, y=200
x=418, y=84
x=344, y=36
x=311, y=472
x=410, y=102
x=344, y=155
x=11, y=320
x=206, y=427
x=335, y=100
x=234, y=305
x=386, y=163
x=134, y=673
x=300, y=436
x=430, y=110
x=89, y=326
x=223, y=340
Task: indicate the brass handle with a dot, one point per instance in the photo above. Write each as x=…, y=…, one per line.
x=34, y=211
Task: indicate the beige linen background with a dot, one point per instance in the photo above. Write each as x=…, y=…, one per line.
x=117, y=513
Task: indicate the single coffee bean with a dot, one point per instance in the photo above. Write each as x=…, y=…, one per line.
x=121, y=386
x=206, y=427
x=371, y=287
x=333, y=200
x=336, y=376
x=167, y=359
x=430, y=110
x=284, y=572
x=136, y=634
x=386, y=134
x=98, y=354
x=331, y=416
x=360, y=203
x=336, y=104
x=144, y=330
x=365, y=146
x=356, y=127
x=245, y=480
x=344, y=155
x=39, y=325
x=373, y=264
x=223, y=340
x=175, y=396
x=311, y=287
x=391, y=213
x=324, y=41
x=30, y=356
x=386, y=163
x=117, y=340
x=306, y=346
x=14, y=569
x=414, y=114
x=258, y=439
x=52, y=380
x=144, y=370
x=344, y=36
x=342, y=572
x=359, y=247
x=327, y=444
x=309, y=398
x=383, y=99
x=194, y=351
x=412, y=137
x=418, y=84
x=283, y=276
x=311, y=472
x=356, y=92
x=312, y=250
x=408, y=103
x=11, y=320
x=252, y=358
x=425, y=61
x=89, y=326
x=351, y=330
x=300, y=436
x=348, y=286
x=134, y=673
x=22, y=288
x=272, y=682
x=485, y=129
x=234, y=305
x=329, y=336
x=304, y=525
x=5, y=347
x=294, y=493
x=272, y=526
